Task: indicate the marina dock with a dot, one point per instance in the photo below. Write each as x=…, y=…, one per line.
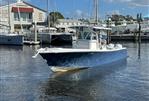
x=128, y=37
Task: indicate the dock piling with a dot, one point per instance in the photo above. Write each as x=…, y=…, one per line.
x=139, y=19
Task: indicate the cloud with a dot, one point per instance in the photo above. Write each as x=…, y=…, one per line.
x=141, y=3
x=78, y=12
x=10, y=1
x=26, y=0
x=4, y=2
x=113, y=12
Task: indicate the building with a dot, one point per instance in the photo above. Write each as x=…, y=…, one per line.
x=64, y=23
x=20, y=15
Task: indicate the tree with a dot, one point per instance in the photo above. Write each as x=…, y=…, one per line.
x=129, y=18
x=119, y=18
x=54, y=16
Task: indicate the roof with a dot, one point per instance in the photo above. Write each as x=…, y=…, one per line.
x=26, y=4
x=34, y=6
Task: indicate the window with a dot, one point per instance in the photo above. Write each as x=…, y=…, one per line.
x=23, y=16
x=16, y=16
x=30, y=15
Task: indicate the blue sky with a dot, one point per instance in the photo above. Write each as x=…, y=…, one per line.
x=84, y=8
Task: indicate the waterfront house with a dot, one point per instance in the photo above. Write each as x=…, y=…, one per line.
x=21, y=15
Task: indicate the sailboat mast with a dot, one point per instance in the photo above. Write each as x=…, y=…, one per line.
x=19, y=15
x=48, y=19
x=9, y=15
x=96, y=11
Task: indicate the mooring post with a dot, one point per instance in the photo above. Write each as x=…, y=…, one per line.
x=108, y=32
x=35, y=38
x=139, y=19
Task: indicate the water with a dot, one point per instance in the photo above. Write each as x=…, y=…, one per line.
x=25, y=79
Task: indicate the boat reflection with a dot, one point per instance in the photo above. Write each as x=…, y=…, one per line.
x=90, y=73
x=79, y=85
x=5, y=47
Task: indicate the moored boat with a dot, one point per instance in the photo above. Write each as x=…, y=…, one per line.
x=11, y=39
x=55, y=36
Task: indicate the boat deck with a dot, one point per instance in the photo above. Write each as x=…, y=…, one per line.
x=72, y=50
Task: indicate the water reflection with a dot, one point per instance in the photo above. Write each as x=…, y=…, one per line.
x=17, y=61
x=5, y=47
x=79, y=85
x=91, y=72
x=25, y=79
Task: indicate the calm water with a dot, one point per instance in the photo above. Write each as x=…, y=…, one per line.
x=25, y=79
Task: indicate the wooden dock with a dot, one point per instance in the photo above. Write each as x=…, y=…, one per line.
x=31, y=42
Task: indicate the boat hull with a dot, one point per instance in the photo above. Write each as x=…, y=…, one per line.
x=83, y=59
x=61, y=39
x=11, y=40
x=56, y=39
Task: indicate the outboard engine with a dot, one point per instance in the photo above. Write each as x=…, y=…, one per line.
x=110, y=46
x=118, y=46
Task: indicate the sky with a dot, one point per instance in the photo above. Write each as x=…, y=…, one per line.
x=84, y=8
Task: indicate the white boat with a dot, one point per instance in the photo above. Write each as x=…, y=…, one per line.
x=89, y=50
